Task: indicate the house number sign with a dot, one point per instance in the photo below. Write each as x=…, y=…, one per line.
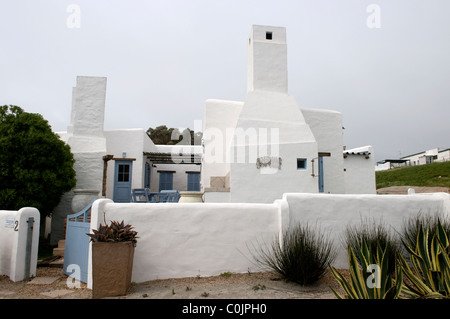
x=11, y=223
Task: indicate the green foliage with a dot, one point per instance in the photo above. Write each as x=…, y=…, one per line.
x=411, y=228
x=302, y=256
x=114, y=232
x=226, y=274
x=36, y=166
x=428, y=273
x=434, y=174
x=171, y=136
x=373, y=235
x=364, y=284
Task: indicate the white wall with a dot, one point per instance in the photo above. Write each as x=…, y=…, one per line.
x=272, y=112
x=443, y=155
x=334, y=212
x=219, y=116
x=13, y=239
x=326, y=126
x=134, y=142
x=359, y=175
x=190, y=239
x=267, y=59
x=179, y=176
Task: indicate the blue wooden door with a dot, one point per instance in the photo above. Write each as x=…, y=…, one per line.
x=321, y=174
x=76, y=251
x=193, y=182
x=165, y=181
x=122, y=181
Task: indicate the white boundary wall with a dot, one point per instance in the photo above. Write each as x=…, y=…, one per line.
x=189, y=239
x=13, y=239
x=332, y=213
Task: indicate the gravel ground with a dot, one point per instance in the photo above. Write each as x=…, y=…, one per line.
x=261, y=285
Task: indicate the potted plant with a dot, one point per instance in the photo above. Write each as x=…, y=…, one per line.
x=112, y=259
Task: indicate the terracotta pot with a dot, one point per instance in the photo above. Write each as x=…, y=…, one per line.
x=112, y=264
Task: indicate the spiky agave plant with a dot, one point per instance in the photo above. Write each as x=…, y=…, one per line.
x=428, y=270
x=364, y=283
x=114, y=232
x=374, y=234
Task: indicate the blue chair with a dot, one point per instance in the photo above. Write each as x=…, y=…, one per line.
x=153, y=197
x=169, y=196
x=140, y=195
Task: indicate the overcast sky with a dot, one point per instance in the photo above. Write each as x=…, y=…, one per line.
x=388, y=73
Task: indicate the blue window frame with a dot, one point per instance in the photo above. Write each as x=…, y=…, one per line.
x=165, y=181
x=193, y=183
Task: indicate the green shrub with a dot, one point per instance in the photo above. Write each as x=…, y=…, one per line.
x=414, y=224
x=36, y=166
x=302, y=255
x=373, y=234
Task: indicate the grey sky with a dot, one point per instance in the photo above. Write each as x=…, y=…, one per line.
x=163, y=59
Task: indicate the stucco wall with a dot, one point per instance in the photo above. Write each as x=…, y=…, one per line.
x=326, y=126
x=13, y=239
x=190, y=239
x=219, y=116
x=180, y=175
x=134, y=142
x=334, y=212
x=294, y=140
x=359, y=175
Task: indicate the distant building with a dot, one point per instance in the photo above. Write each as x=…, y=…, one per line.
x=422, y=158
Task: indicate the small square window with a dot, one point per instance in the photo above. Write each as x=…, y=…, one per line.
x=301, y=163
x=268, y=35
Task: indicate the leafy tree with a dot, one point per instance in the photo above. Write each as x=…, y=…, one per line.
x=36, y=166
x=171, y=136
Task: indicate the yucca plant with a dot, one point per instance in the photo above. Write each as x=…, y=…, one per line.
x=428, y=271
x=302, y=255
x=365, y=284
x=115, y=232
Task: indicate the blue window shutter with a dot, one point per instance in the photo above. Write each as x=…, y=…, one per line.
x=165, y=181
x=193, y=182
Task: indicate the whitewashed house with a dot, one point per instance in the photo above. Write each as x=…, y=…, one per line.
x=258, y=149
x=111, y=163
x=437, y=154
x=252, y=151
x=427, y=157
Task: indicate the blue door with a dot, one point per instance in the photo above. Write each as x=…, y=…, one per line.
x=321, y=174
x=76, y=251
x=122, y=181
x=193, y=182
x=165, y=181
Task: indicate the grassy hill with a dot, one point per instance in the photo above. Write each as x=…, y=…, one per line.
x=432, y=175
